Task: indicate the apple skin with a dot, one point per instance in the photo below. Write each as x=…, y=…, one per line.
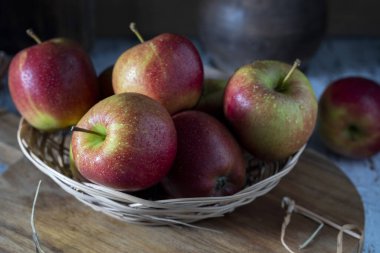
x=272, y=120
x=167, y=68
x=209, y=161
x=53, y=84
x=137, y=147
x=349, y=117
x=211, y=100
x=73, y=168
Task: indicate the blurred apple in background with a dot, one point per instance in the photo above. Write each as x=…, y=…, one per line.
x=53, y=83
x=349, y=117
x=167, y=68
x=272, y=108
x=209, y=161
x=131, y=143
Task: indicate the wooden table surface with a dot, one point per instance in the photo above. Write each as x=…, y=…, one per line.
x=337, y=57
x=66, y=225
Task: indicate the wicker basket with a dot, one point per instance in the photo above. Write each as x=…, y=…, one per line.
x=49, y=152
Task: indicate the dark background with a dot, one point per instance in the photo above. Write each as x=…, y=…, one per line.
x=86, y=20
x=346, y=17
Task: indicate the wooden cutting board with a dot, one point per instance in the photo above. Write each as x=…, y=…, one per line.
x=66, y=225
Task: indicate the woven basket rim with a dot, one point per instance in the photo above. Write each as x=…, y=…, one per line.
x=128, y=204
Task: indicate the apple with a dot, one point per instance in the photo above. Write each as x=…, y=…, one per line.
x=73, y=168
x=167, y=68
x=105, y=82
x=349, y=117
x=126, y=142
x=52, y=83
x=211, y=100
x=209, y=161
x=272, y=108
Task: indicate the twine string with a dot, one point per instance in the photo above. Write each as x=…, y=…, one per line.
x=348, y=229
x=34, y=232
x=289, y=210
x=344, y=229
x=312, y=237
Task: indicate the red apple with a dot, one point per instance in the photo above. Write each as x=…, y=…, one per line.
x=167, y=68
x=53, y=83
x=131, y=143
x=209, y=161
x=349, y=118
x=272, y=107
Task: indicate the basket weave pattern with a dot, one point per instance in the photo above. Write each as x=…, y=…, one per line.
x=49, y=152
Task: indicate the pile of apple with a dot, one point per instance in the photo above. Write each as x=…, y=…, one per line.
x=159, y=128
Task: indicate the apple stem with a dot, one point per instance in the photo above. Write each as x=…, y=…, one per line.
x=133, y=28
x=33, y=36
x=296, y=64
x=79, y=129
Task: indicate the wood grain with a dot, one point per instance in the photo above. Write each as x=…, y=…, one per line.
x=9, y=150
x=66, y=225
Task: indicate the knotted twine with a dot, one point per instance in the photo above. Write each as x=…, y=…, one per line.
x=348, y=229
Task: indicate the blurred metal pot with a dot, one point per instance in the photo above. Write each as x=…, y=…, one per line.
x=236, y=32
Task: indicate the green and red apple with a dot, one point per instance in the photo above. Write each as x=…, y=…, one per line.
x=53, y=83
x=73, y=168
x=167, y=68
x=211, y=100
x=272, y=108
x=349, y=117
x=126, y=142
x=209, y=161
